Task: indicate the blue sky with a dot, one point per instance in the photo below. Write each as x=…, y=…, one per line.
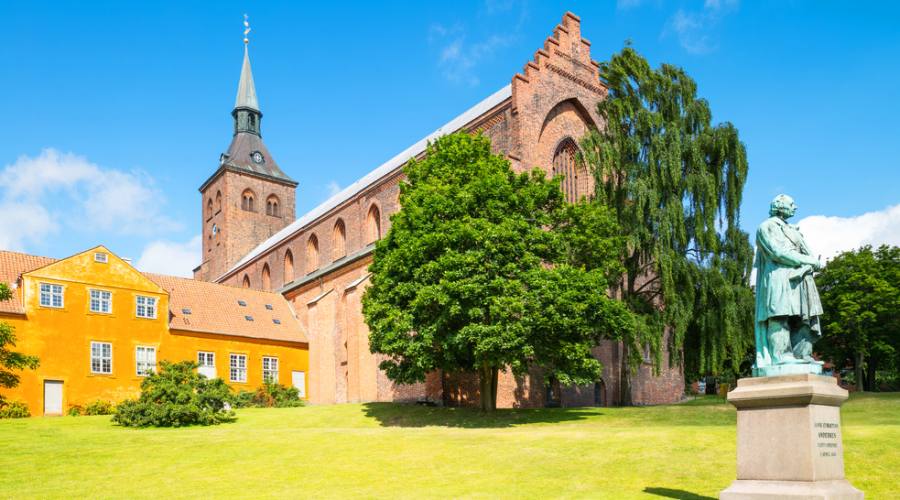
x=116, y=112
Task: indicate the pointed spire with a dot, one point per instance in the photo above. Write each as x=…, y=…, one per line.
x=246, y=95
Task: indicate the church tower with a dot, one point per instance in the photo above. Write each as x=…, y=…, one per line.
x=248, y=198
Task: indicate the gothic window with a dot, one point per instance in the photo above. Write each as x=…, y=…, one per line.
x=272, y=207
x=565, y=166
x=312, y=254
x=288, y=267
x=266, y=278
x=600, y=393
x=209, y=209
x=218, y=201
x=247, y=201
x=373, y=225
x=340, y=240
x=246, y=283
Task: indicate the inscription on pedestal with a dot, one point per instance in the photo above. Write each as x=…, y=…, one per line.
x=827, y=438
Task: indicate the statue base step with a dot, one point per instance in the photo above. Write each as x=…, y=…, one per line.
x=805, y=490
x=789, y=442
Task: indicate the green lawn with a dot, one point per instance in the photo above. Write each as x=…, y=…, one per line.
x=390, y=451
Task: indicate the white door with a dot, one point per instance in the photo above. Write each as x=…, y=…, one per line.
x=298, y=379
x=53, y=397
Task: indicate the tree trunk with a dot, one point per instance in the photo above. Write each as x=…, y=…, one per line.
x=858, y=368
x=870, y=376
x=488, y=387
x=625, y=378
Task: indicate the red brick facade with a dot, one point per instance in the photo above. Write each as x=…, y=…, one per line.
x=549, y=105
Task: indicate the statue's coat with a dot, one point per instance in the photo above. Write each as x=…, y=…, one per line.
x=784, y=282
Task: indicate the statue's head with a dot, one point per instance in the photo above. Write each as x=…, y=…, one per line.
x=782, y=206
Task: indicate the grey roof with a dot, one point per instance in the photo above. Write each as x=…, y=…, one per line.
x=374, y=176
x=246, y=94
x=240, y=157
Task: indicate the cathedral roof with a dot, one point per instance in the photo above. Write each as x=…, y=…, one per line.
x=374, y=176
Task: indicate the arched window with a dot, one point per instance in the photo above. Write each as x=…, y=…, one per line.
x=247, y=201
x=266, y=278
x=373, y=225
x=272, y=206
x=218, y=201
x=564, y=164
x=246, y=283
x=209, y=208
x=339, y=240
x=312, y=254
x=288, y=267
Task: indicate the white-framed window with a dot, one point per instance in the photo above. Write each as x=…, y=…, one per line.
x=270, y=369
x=145, y=307
x=206, y=364
x=51, y=295
x=101, y=301
x=101, y=257
x=238, y=368
x=101, y=357
x=145, y=360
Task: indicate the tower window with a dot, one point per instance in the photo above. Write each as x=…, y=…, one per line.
x=247, y=201
x=218, y=201
x=272, y=207
x=209, y=209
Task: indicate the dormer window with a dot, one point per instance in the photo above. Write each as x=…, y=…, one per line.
x=248, y=318
x=101, y=257
x=242, y=303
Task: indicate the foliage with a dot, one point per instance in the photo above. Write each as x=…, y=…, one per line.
x=479, y=272
x=860, y=293
x=14, y=409
x=176, y=396
x=674, y=182
x=99, y=407
x=9, y=359
x=243, y=399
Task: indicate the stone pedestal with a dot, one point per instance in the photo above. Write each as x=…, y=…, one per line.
x=789, y=439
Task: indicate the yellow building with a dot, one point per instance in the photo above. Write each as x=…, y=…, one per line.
x=99, y=326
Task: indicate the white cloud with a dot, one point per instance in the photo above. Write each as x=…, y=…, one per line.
x=172, y=258
x=458, y=57
x=54, y=190
x=333, y=188
x=829, y=236
x=694, y=29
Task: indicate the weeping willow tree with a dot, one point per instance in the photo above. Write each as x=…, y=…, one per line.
x=675, y=182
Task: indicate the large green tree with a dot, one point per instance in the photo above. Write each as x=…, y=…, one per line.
x=860, y=293
x=11, y=361
x=674, y=182
x=479, y=272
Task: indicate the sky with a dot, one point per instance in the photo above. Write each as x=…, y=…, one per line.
x=116, y=112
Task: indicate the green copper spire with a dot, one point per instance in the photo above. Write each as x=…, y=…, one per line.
x=246, y=95
x=246, y=107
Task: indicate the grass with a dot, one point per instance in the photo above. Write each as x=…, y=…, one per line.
x=398, y=451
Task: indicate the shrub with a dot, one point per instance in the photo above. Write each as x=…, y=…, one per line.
x=177, y=396
x=268, y=395
x=14, y=409
x=99, y=407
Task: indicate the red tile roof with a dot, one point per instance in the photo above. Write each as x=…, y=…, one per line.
x=214, y=308
x=12, y=265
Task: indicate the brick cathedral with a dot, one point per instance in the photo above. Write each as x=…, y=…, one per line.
x=320, y=261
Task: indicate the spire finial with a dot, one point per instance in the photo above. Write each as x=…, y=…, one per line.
x=246, y=30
